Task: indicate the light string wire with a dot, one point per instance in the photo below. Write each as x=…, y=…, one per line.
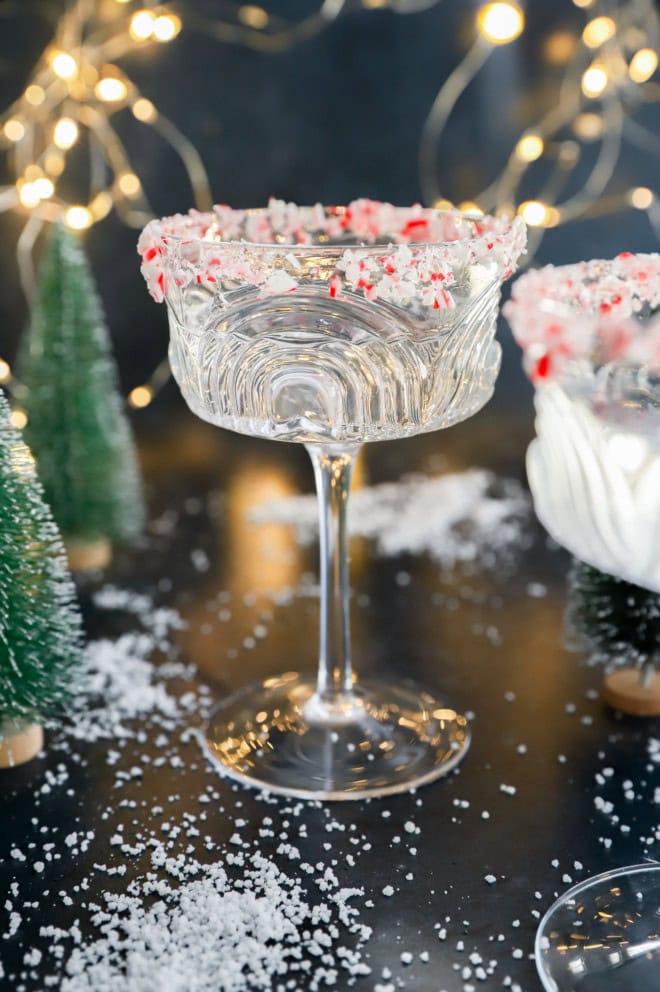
x=608, y=77
x=76, y=89
x=71, y=98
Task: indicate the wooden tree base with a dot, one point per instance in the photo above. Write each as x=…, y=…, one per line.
x=623, y=690
x=86, y=556
x=23, y=747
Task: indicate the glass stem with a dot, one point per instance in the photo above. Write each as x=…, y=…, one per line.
x=333, y=469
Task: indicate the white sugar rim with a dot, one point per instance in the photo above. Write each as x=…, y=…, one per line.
x=398, y=269
x=330, y=213
x=558, y=283
x=587, y=311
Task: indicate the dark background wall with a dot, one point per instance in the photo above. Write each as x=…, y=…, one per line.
x=336, y=117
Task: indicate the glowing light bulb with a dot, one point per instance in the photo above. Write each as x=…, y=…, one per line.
x=470, y=207
x=142, y=25
x=534, y=213
x=5, y=371
x=140, y=397
x=28, y=195
x=63, y=65
x=443, y=204
x=559, y=47
x=35, y=95
x=552, y=217
x=500, y=23
x=144, y=110
x=598, y=31
x=13, y=129
x=54, y=162
x=110, y=89
x=78, y=218
x=530, y=147
x=65, y=133
x=588, y=126
x=641, y=198
x=43, y=188
x=642, y=65
x=166, y=27
x=18, y=418
x=129, y=184
x=257, y=17
x=101, y=205
x=594, y=80
x=584, y=3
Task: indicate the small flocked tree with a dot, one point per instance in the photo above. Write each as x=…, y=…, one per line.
x=76, y=428
x=619, y=623
x=40, y=624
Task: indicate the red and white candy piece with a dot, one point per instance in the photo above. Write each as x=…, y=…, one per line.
x=591, y=310
x=423, y=250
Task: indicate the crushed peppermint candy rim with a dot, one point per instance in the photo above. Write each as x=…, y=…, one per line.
x=402, y=255
x=599, y=311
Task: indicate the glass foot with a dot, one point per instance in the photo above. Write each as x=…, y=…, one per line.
x=278, y=736
x=603, y=935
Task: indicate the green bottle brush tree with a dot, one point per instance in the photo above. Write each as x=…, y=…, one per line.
x=619, y=623
x=76, y=428
x=40, y=624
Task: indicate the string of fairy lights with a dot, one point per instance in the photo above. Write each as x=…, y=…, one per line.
x=607, y=79
x=68, y=111
x=68, y=108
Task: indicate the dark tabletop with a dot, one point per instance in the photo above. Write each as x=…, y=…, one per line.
x=488, y=638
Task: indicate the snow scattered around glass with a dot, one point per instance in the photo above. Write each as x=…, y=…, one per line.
x=150, y=847
x=273, y=904
x=463, y=517
x=254, y=911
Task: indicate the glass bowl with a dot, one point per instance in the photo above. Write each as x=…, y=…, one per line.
x=603, y=935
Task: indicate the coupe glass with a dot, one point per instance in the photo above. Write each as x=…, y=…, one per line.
x=594, y=467
x=592, y=347
x=603, y=935
x=591, y=344
x=332, y=327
